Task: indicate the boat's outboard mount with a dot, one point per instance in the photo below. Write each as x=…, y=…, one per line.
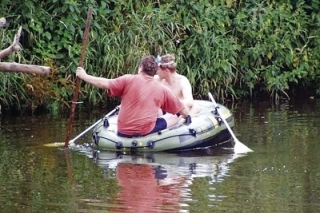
x=193, y=132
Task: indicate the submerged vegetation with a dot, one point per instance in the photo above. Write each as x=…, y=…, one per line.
x=235, y=49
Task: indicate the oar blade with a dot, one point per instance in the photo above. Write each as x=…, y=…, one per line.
x=239, y=148
x=54, y=144
x=58, y=144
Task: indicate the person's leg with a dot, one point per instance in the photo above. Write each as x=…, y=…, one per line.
x=161, y=124
x=166, y=121
x=161, y=112
x=171, y=119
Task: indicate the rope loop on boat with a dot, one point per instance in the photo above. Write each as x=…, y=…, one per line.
x=119, y=145
x=193, y=132
x=219, y=120
x=95, y=138
x=134, y=143
x=216, y=110
x=151, y=144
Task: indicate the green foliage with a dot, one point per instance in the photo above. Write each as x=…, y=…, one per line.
x=11, y=91
x=232, y=48
x=274, y=53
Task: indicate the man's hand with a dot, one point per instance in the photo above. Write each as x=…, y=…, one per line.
x=185, y=111
x=81, y=73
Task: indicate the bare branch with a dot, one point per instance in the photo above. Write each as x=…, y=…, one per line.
x=17, y=67
x=26, y=68
x=15, y=46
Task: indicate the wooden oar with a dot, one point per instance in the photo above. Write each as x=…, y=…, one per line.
x=238, y=146
x=78, y=80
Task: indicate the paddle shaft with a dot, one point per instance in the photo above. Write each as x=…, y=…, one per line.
x=78, y=80
x=92, y=126
x=224, y=120
x=84, y=132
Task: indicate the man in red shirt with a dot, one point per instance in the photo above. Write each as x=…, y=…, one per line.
x=141, y=98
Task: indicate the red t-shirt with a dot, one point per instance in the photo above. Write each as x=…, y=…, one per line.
x=141, y=99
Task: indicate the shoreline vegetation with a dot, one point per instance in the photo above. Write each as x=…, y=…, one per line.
x=236, y=50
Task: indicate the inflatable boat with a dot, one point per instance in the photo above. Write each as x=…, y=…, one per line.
x=206, y=129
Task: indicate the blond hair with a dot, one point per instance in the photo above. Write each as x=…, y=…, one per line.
x=168, y=61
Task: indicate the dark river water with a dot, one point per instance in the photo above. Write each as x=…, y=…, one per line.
x=281, y=175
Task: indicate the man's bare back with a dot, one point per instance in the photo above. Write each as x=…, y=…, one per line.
x=181, y=87
x=176, y=85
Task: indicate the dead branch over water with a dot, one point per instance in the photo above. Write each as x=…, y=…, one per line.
x=17, y=67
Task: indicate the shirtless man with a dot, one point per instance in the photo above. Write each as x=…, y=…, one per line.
x=178, y=84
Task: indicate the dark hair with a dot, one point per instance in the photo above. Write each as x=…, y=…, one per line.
x=149, y=65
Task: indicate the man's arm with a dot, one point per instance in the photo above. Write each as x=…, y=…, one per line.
x=185, y=115
x=99, y=82
x=184, y=111
x=186, y=92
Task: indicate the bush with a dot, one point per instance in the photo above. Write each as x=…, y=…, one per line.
x=235, y=49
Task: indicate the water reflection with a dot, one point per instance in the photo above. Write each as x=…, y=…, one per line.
x=162, y=182
x=281, y=175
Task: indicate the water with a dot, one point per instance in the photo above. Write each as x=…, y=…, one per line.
x=281, y=175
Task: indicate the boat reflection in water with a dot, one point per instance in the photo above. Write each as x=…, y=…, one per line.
x=160, y=182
